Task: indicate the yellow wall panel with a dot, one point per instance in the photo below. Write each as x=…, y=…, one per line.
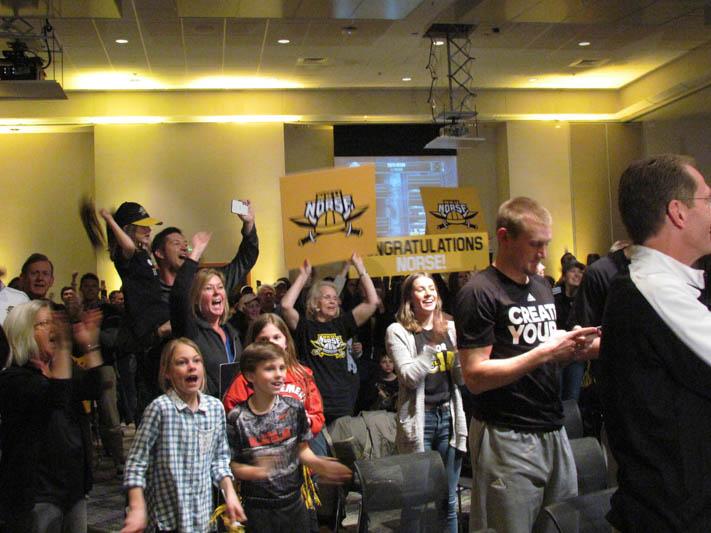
x=42, y=178
x=187, y=174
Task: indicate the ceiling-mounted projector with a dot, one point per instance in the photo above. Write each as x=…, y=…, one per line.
x=454, y=136
x=17, y=64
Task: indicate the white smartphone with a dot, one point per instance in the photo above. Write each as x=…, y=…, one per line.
x=239, y=207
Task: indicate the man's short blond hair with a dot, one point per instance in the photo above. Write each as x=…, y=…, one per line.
x=516, y=213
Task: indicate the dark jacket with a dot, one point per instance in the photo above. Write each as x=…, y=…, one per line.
x=46, y=454
x=186, y=324
x=657, y=406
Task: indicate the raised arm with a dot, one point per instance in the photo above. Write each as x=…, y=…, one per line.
x=247, y=253
x=481, y=373
x=181, y=317
x=128, y=247
x=363, y=311
x=290, y=314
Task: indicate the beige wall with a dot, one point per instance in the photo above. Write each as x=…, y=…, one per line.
x=42, y=178
x=539, y=167
x=590, y=189
x=624, y=143
x=307, y=147
x=688, y=136
x=187, y=174
x=476, y=167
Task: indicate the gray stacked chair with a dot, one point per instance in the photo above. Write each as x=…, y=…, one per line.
x=410, y=484
x=583, y=514
x=591, y=464
x=572, y=419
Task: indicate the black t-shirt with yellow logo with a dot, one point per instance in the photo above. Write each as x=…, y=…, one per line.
x=323, y=348
x=438, y=381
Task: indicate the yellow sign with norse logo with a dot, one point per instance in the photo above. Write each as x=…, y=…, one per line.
x=328, y=214
x=400, y=256
x=452, y=209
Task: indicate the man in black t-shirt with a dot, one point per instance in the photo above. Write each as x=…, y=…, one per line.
x=510, y=350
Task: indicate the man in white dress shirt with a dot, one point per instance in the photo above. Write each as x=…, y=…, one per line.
x=656, y=352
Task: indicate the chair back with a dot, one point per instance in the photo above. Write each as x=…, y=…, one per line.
x=590, y=463
x=582, y=514
x=407, y=481
x=572, y=419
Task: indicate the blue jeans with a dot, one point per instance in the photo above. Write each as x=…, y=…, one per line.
x=438, y=429
x=572, y=380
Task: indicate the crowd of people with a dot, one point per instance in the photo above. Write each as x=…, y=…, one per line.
x=235, y=387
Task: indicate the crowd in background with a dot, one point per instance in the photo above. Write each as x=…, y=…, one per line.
x=427, y=349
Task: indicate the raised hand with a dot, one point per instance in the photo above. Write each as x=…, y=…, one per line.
x=249, y=217
x=86, y=331
x=306, y=268
x=357, y=261
x=199, y=242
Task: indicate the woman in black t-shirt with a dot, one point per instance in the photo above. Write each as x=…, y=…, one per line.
x=322, y=336
x=430, y=415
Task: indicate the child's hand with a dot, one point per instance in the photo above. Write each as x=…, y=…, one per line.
x=234, y=509
x=332, y=472
x=136, y=520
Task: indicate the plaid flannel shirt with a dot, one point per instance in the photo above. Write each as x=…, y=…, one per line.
x=175, y=455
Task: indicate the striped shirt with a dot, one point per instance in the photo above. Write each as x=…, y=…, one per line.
x=175, y=455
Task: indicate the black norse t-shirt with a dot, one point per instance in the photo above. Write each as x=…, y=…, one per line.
x=494, y=310
x=437, y=382
x=323, y=347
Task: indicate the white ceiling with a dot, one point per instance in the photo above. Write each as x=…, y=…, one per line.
x=233, y=43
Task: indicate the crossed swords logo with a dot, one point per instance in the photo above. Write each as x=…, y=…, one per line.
x=454, y=213
x=330, y=212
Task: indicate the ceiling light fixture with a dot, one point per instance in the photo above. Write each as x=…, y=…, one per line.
x=438, y=42
x=283, y=41
x=407, y=78
x=532, y=79
x=584, y=43
x=121, y=41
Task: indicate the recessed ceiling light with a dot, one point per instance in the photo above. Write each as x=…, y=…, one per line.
x=283, y=41
x=407, y=78
x=584, y=43
x=121, y=41
x=439, y=42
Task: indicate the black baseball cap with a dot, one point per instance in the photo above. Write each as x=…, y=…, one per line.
x=572, y=263
x=133, y=213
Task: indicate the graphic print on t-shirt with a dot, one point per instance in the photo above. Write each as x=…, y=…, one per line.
x=329, y=345
x=443, y=359
x=531, y=324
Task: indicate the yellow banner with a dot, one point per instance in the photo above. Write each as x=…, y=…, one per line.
x=399, y=256
x=452, y=209
x=328, y=214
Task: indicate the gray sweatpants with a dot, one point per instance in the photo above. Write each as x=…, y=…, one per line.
x=516, y=474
